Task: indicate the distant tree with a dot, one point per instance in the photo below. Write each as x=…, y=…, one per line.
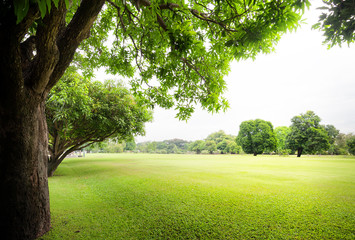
x=166, y=146
x=281, y=134
x=130, y=145
x=211, y=146
x=151, y=147
x=172, y=148
x=307, y=134
x=256, y=136
x=181, y=144
x=340, y=147
x=98, y=147
x=351, y=145
x=219, y=137
x=222, y=146
x=161, y=145
x=337, y=22
x=233, y=148
x=197, y=146
x=114, y=146
x=80, y=112
x=332, y=133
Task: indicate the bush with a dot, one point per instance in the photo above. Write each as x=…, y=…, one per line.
x=285, y=152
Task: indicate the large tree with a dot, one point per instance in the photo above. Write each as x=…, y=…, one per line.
x=184, y=46
x=307, y=134
x=256, y=136
x=81, y=112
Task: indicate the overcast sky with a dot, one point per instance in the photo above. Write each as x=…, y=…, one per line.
x=302, y=74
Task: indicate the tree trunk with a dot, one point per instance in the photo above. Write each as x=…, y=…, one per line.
x=54, y=163
x=52, y=166
x=299, y=152
x=24, y=203
x=255, y=154
x=26, y=76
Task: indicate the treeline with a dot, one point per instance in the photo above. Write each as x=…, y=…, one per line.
x=175, y=146
x=218, y=142
x=305, y=135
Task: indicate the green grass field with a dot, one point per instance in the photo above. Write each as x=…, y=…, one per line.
x=141, y=196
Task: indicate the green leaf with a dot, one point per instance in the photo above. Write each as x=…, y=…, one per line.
x=49, y=5
x=42, y=5
x=21, y=8
x=55, y=3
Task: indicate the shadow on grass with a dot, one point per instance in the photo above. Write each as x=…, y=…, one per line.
x=87, y=167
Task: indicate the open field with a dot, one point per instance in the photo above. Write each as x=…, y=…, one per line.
x=139, y=196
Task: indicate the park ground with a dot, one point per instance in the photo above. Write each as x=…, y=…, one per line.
x=147, y=196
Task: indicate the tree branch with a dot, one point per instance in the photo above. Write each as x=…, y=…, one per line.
x=190, y=65
x=47, y=51
x=77, y=30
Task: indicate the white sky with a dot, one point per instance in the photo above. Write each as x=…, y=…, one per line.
x=302, y=74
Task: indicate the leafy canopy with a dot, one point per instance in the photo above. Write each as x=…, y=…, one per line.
x=337, y=22
x=256, y=136
x=176, y=53
x=307, y=134
x=81, y=112
x=281, y=135
x=197, y=146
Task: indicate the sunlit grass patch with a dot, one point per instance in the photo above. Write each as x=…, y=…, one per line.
x=141, y=196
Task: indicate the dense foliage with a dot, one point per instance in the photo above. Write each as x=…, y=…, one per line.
x=186, y=46
x=164, y=147
x=337, y=21
x=307, y=134
x=217, y=142
x=256, y=136
x=209, y=145
x=281, y=135
x=80, y=112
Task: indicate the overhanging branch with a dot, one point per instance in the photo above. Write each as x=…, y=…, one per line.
x=77, y=30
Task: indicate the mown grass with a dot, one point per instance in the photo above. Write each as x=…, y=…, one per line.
x=138, y=196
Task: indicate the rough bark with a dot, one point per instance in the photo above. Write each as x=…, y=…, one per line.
x=25, y=80
x=24, y=203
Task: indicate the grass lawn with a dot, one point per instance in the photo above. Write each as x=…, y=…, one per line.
x=141, y=196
